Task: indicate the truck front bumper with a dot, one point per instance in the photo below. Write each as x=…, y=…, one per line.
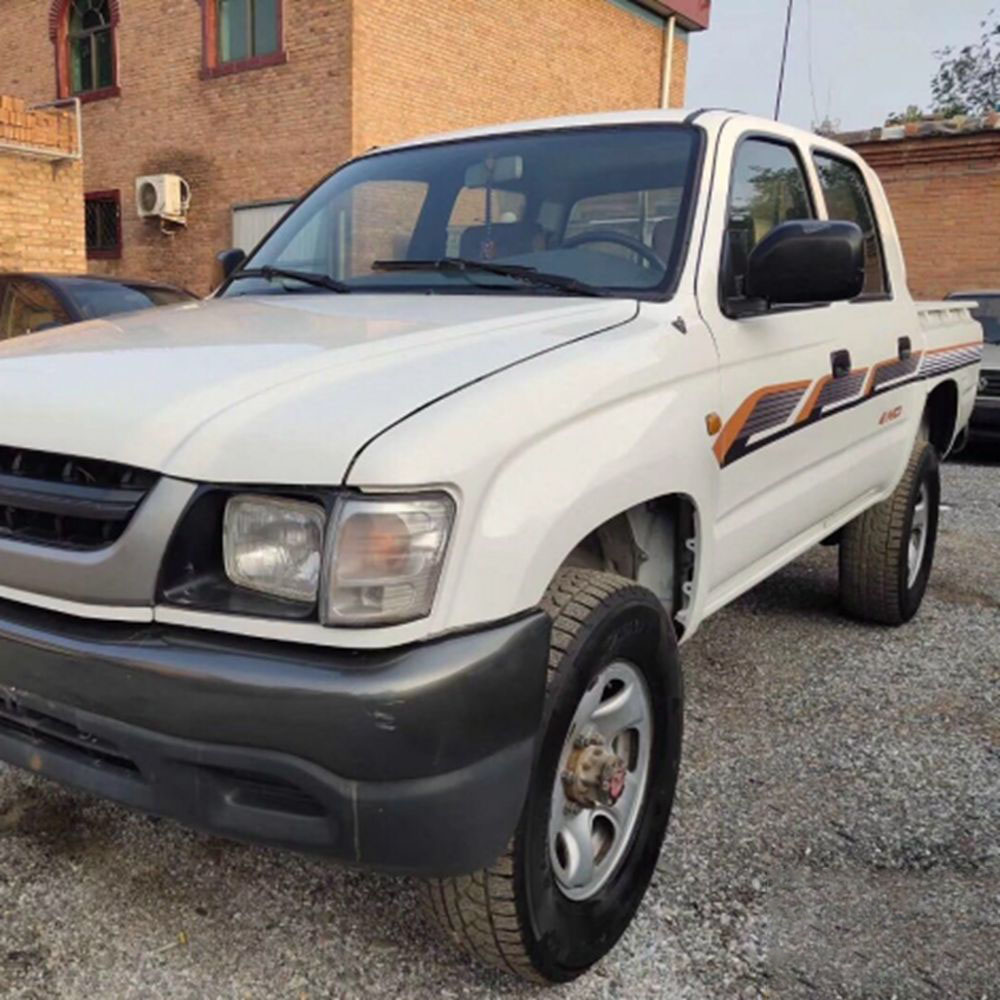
x=411, y=760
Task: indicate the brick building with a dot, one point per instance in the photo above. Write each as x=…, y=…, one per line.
x=252, y=101
x=943, y=183
x=41, y=190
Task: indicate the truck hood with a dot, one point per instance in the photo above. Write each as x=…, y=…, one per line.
x=267, y=389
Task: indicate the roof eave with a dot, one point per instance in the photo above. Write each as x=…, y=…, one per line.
x=691, y=14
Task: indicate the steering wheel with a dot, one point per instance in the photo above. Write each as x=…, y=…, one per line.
x=622, y=239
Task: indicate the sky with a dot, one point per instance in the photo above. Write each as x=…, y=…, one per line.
x=868, y=57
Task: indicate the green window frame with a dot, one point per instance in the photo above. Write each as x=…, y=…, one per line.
x=91, y=43
x=247, y=30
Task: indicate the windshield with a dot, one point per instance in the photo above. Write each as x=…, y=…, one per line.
x=987, y=312
x=102, y=298
x=604, y=207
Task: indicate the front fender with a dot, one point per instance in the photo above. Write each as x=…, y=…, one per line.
x=542, y=454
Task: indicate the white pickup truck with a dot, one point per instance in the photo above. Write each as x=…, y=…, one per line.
x=386, y=550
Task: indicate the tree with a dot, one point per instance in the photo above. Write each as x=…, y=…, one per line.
x=968, y=80
x=913, y=113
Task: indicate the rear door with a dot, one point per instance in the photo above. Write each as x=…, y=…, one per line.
x=777, y=481
x=874, y=411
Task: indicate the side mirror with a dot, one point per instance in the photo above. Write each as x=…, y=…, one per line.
x=807, y=261
x=229, y=260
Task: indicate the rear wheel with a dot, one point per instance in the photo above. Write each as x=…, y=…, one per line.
x=600, y=796
x=887, y=552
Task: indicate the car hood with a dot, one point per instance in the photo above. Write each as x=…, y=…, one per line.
x=268, y=389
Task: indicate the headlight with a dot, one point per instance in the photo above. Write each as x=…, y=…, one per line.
x=274, y=546
x=384, y=557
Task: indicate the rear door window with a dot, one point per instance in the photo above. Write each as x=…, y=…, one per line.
x=848, y=199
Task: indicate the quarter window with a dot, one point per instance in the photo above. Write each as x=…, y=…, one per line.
x=768, y=188
x=847, y=198
x=103, y=224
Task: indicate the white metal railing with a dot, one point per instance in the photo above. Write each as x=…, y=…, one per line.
x=47, y=152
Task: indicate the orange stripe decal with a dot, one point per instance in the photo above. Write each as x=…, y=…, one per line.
x=734, y=426
x=955, y=347
x=736, y=422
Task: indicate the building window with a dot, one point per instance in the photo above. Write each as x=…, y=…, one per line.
x=242, y=34
x=103, y=220
x=83, y=32
x=91, y=46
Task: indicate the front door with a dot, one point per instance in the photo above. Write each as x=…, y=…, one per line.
x=781, y=473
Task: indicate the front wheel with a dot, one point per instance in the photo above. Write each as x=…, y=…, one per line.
x=600, y=795
x=887, y=552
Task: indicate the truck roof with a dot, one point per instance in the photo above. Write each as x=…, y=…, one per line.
x=711, y=119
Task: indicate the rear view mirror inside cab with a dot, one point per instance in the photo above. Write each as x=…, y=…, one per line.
x=494, y=170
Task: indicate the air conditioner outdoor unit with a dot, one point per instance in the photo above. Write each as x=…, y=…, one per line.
x=162, y=196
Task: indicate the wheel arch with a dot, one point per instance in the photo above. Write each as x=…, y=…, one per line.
x=657, y=542
x=941, y=415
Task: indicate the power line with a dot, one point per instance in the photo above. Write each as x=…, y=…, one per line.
x=784, y=60
x=812, y=78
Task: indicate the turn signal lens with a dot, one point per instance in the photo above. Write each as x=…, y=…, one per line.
x=384, y=557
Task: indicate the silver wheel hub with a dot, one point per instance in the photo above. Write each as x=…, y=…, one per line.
x=601, y=782
x=918, y=536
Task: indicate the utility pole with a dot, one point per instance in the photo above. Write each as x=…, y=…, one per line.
x=784, y=59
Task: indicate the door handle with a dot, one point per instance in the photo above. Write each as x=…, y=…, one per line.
x=905, y=348
x=840, y=363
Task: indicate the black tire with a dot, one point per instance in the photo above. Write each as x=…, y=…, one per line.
x=874, y=547
x=513, y=915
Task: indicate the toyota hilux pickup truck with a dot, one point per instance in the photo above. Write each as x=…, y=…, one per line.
x=386, y=551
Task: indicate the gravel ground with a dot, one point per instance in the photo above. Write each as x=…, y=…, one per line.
x=835, y=833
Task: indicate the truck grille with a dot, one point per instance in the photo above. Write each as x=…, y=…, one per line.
x=68, y=502
x=989, y=383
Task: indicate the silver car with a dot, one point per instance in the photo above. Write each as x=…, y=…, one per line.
x=985, y=423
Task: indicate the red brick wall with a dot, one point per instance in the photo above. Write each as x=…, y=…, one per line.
x=945, y=195
x=359, y=73
x=491, y=61
x=260, y=135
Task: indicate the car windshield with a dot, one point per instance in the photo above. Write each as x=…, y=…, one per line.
x=102, y=298
x=572, y=211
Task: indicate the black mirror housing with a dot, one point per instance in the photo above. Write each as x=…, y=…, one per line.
x=807, y=261
x=229, y=260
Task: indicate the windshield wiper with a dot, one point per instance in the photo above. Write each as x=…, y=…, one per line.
x=269, y=273
x=520, y=272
